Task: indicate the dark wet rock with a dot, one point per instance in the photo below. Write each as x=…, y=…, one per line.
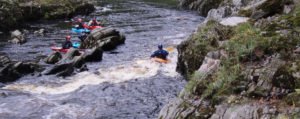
x=4, y=60
x=66, y=66
x=17, y=37
x=13, y=71
x=106, y=38
x=202, y=6
x=53, y=58
x=94, y=55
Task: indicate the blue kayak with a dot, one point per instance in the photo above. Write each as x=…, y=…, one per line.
x=75, y=30
x=76, y=45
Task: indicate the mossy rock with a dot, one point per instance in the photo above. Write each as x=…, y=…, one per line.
x=193, y=51
x=293, y=99
x=202, y=6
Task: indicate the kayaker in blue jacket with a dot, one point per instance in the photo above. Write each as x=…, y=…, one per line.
x=160, y=53
x=67, y=44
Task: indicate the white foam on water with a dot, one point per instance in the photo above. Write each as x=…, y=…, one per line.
x=170, y=68
x=140, y=69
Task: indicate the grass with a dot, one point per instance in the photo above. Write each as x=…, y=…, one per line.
x=243, y=43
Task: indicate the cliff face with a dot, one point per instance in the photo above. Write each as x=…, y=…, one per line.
x=15, y=12
x=241, y=63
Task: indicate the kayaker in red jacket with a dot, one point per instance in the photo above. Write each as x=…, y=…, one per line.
x=94, y=22
x=81, y=24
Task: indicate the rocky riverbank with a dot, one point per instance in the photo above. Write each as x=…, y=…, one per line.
x=241, y=63
x=14, y=13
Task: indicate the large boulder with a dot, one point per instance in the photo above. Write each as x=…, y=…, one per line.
x=67, y=65
x=94, y=55
x=264, y=8
x=191, y=53
x=106, y=38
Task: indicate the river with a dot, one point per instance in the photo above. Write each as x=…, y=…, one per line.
x=124, y=85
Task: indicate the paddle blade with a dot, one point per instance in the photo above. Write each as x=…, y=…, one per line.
x=170, y=49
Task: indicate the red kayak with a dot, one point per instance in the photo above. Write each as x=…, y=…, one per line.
x=93, y=27
x=59, y=49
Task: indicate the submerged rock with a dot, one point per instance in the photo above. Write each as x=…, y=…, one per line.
x=17, y=37
x=4, y=60
x=106, y=38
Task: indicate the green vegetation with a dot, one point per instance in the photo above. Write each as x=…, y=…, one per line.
x=245, y=43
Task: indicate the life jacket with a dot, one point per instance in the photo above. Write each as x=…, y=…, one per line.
x=67, y=45
x=80, y=26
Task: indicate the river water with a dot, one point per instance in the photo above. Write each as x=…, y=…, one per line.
x=125, y=85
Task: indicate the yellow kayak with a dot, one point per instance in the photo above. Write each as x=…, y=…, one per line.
x=159, y=60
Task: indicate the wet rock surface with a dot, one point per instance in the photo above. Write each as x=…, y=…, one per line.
x=106, y=38
x=17, y=37
x=14, y=70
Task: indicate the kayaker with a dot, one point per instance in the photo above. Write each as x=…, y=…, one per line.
x=160, y=53
x=83, y=36
x=80, y=24
x=94, y=22
x=67, y=44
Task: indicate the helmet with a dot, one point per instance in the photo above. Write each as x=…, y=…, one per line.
x=79, y=20
x=68, y=38
x=160, y=46
x=94, y=19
